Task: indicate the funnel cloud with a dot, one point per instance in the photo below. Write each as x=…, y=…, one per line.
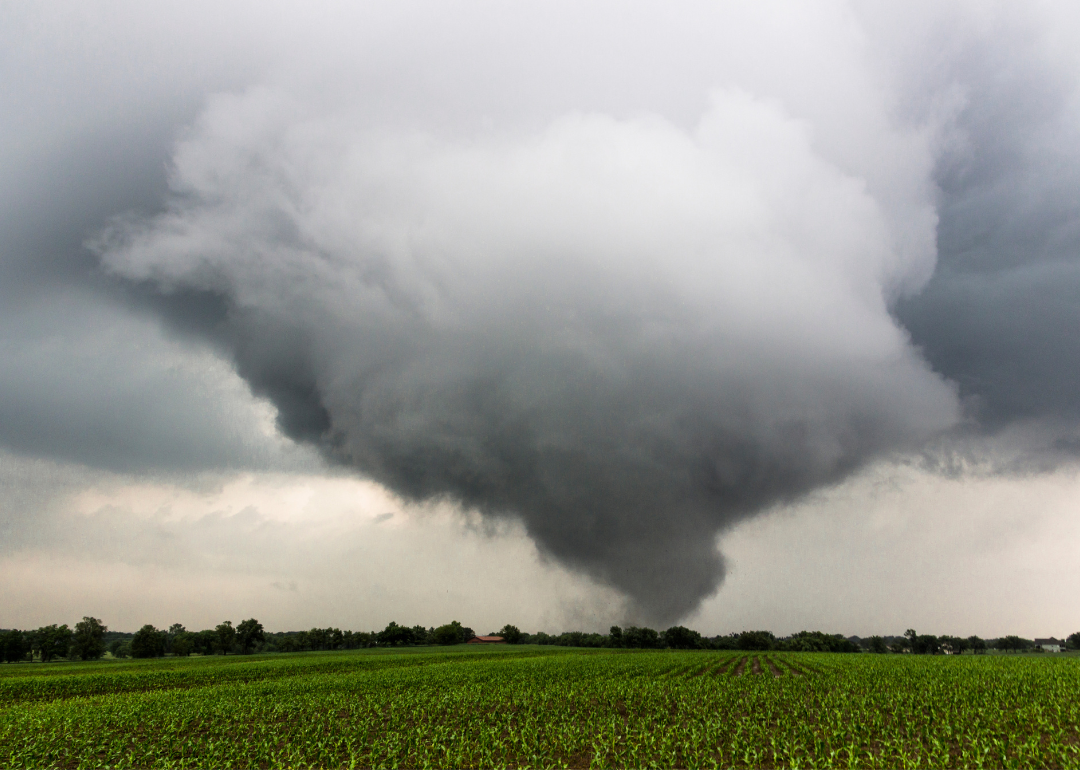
x=627, y=335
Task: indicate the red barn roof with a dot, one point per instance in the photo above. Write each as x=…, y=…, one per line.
x=485, y=640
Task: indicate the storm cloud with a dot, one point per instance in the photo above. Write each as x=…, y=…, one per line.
x=625, y=275
x=627, y=335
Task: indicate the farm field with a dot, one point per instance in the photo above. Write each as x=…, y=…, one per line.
x=544, y=707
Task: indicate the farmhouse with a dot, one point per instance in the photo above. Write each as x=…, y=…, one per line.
x=486, y=640
x=1051, y=644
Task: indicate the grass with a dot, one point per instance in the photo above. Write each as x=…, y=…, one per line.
x=544, y=707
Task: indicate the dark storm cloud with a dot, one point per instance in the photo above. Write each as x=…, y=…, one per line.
x=627, y=335
x=625, y=274
x=1001, y=314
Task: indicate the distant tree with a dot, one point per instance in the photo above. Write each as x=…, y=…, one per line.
x=876, y=644
x=681, y=638
x=910, y=636
x=728, y=642
x=248, y=633
x=120, y=648
x=804, y=641
x=183, y=644
x=925, y=644
x=14, y=645
x=148, y=642
x=394, y=635
x=353, y=640
x=1014, y=643
x=51, y=641
x=645, y=638
x=226, y=637
x=615, y=637
x=451, y=633
x=170, y=636
x=1073, y=642
x=204, y=642
x=953, y=644
x=510, y=634
x=87, y=643
x=976, y=645
x=756, y=640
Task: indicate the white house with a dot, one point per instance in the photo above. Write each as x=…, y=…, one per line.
x=1051, y=644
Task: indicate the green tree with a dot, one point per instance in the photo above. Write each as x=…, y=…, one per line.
x=682, y=638
x=925, y=644
x=248, y=633
x=615, y=637
x=976, y=645
x=510, y=634
x=170, y=636
x=14, y=645
x=394, y=635
x=644, y=638
x=910, y=635
x=452, y=633
x=183, y=644
x=877, y=645
x=120, y=648
x=148, y=642
x=51, y=641
x=88, y=641
x=757, y=640
x=1014, y=643
x=205, y=642
x=1073, y=642
x=226, y=637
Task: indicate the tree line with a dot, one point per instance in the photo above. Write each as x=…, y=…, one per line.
x=90, y=639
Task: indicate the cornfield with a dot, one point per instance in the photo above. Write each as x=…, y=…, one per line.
x=545, y=707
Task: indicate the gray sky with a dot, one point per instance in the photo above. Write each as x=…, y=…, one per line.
x=745, y=316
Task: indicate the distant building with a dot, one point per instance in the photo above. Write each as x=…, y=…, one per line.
x=1051, y=644
x=486, y=640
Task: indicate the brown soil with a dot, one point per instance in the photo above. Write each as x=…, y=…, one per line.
x=739, y=667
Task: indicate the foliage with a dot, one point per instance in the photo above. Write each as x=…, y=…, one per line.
x=876, y=644
x=451, y=633
x=681, y=638
x=183, y=644
x=51, y=641
x=1073, y=642
x=87, y=643
x=1014, y=644
x=248, y=633
x=757, y=640
x=644, y=638
x=14, y=646
x=148, y=642
x=510, y=634
x=225, y=637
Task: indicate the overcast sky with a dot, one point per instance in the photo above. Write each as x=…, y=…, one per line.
x=738, y=315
